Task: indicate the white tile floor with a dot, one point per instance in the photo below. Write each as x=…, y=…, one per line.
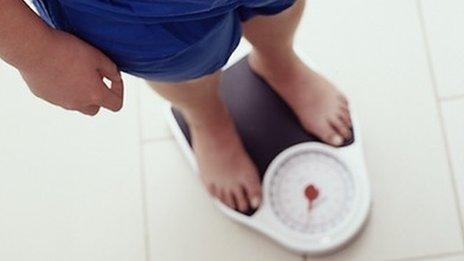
x=116, y=187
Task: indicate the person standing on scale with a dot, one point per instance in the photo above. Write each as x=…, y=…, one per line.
x=179, y=47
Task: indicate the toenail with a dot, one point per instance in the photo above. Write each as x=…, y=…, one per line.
x=337, y=140
x=255, y=202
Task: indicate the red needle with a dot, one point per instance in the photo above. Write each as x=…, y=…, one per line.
x=311, y=193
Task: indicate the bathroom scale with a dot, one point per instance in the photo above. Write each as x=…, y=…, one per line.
x=316, y=198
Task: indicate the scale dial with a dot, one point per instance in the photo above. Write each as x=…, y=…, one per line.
x=311, y=192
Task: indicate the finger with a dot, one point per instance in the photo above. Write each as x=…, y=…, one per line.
x=109, y=100
x=117, y=87
x=110, y=71
x=90, y=110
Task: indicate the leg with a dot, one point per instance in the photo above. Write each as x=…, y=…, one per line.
x=320, y=107
x=225, y=168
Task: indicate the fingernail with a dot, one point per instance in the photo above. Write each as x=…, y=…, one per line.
x=255, y=202
x=337, y=140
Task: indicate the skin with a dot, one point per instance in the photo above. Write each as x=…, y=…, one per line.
x=76, y=86
x=74, y=81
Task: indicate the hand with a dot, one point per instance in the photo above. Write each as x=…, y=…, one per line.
x=70, y=74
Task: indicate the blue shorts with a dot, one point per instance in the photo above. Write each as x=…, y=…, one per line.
x=162, y=40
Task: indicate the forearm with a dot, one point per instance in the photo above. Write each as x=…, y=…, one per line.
x=23, y=35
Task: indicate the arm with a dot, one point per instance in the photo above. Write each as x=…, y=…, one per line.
x=58, y=67
x=19, y=23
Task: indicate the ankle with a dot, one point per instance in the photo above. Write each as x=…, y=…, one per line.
x=276, y=68
x=276, y=55
x=214, y=118
x=218, y=129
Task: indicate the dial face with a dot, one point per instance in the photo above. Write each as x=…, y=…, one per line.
x=311, y=192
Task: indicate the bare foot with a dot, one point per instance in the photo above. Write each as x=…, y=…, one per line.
x=225, y=168
x=320, y=107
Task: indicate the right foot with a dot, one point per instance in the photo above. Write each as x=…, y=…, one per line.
x=225, y=168
x=321, y=108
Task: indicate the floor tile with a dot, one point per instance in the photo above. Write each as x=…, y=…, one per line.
x=152, y=108
x=374, y=51
x=184, y=224
x=70, y=184
x=454, y=122
x=458, y=256
x=443, y=23
x=447, y=258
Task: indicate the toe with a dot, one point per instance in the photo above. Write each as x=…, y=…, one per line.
x=345, y=117
x=341, y=128
x=222, y=196
x=226, y=198
x=343, y=103
x=240, y=199
x=331, y=135
x=230, y=200
x=344, y=100
x=212, y=189
x=253, y=192
x=335, y=140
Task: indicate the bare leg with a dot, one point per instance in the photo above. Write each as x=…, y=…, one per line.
x=320, y=107
x=225, y=168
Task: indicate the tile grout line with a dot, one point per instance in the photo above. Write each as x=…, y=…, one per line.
x=452, y=98
x=434, y=83
x=429, y=257
x=146, y=234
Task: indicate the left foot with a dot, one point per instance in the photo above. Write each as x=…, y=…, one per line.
x=321, y=108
